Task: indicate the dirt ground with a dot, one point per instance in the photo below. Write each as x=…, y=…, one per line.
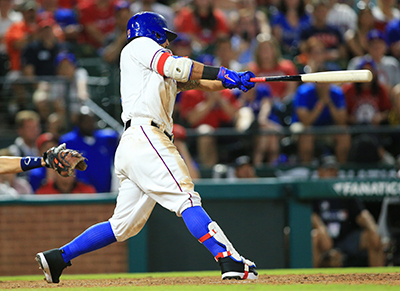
x=351, y=279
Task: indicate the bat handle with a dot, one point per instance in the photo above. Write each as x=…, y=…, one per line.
x=257, y=79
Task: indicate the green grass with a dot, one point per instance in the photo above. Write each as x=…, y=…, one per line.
x=237, y=286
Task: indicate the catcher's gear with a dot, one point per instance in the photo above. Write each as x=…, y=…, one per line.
x=64, y=161
x=149, y=24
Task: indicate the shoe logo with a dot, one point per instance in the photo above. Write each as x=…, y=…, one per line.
x=227, y=77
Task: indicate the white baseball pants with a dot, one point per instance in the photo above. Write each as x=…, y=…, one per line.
x=150, y=170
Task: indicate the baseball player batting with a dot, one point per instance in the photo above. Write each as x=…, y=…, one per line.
x=147, y=163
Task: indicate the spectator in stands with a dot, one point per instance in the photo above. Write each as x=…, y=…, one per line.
x=21, y=185
x=393, y=37
x=394, y=120
x=182, y=46
x=67, y=19
x=286, y=23
x=179, y=133
x=329, y=35
x=7, y=16
x=315, y=56
x=56, y=125
x=388, y=221
x=154, y=6
x=246, y=22
x=117, y=40
x=77, y=91
x=320, y=104
x=384, y=12
x=256, y=113
x=38, y=56
x=65, y=185
x=388, y=67
x=244, y=168
x=356, y=39
x=225, y=56
x=344, y=232
x=202, y=22
x=367, y=103
x=39, y=176
x=28, y=129
x=207, y=111
x=268, y=61
x=97, y=145
x=98, y=21
x=342, y=16
x=42, y=104
x=20, y=34
x=47, y=10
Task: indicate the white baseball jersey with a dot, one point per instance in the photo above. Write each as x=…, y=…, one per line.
x=147, y=163
x=145, y=92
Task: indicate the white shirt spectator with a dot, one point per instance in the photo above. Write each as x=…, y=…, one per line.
x=343, y=17
x=388, y=69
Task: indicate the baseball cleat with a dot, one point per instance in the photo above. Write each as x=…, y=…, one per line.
x=242, y=270
x=52, y=264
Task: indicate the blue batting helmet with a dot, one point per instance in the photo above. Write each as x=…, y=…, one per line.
x=149, y=24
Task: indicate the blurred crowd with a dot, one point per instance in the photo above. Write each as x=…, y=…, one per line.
x=47, y=38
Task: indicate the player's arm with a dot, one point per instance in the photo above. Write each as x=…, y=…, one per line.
x=209, y=78
x=14, y=165
x=198, y=79
x=204, y=85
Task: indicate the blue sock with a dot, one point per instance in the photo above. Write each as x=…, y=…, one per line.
x=197, y=221
x=95, y=237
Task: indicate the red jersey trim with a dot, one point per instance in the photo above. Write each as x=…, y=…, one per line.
x=161, y=62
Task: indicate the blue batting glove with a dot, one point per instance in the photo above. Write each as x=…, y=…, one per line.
x=230, y=79
x=245, y=80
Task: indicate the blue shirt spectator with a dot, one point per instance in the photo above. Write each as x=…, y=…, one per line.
x=307, y=97
x=290, y=34
x=98, y=146
x=393, y=37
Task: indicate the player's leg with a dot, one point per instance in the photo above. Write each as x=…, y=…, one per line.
x=168, y=182
x=130, y=215
x=54, y=261
x=208, y=232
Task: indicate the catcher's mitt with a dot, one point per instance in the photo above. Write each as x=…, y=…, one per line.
x=64, y=161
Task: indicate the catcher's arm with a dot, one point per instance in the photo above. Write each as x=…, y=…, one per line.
x=14, y=165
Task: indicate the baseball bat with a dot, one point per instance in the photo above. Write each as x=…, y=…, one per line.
x=355, y=76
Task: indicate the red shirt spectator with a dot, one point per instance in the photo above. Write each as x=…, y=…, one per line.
x=282, y=68
x=216, y=117
x=98, y=20
x=363, y=104
x=77, y=188
x=19, y=34
x=204, y=27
